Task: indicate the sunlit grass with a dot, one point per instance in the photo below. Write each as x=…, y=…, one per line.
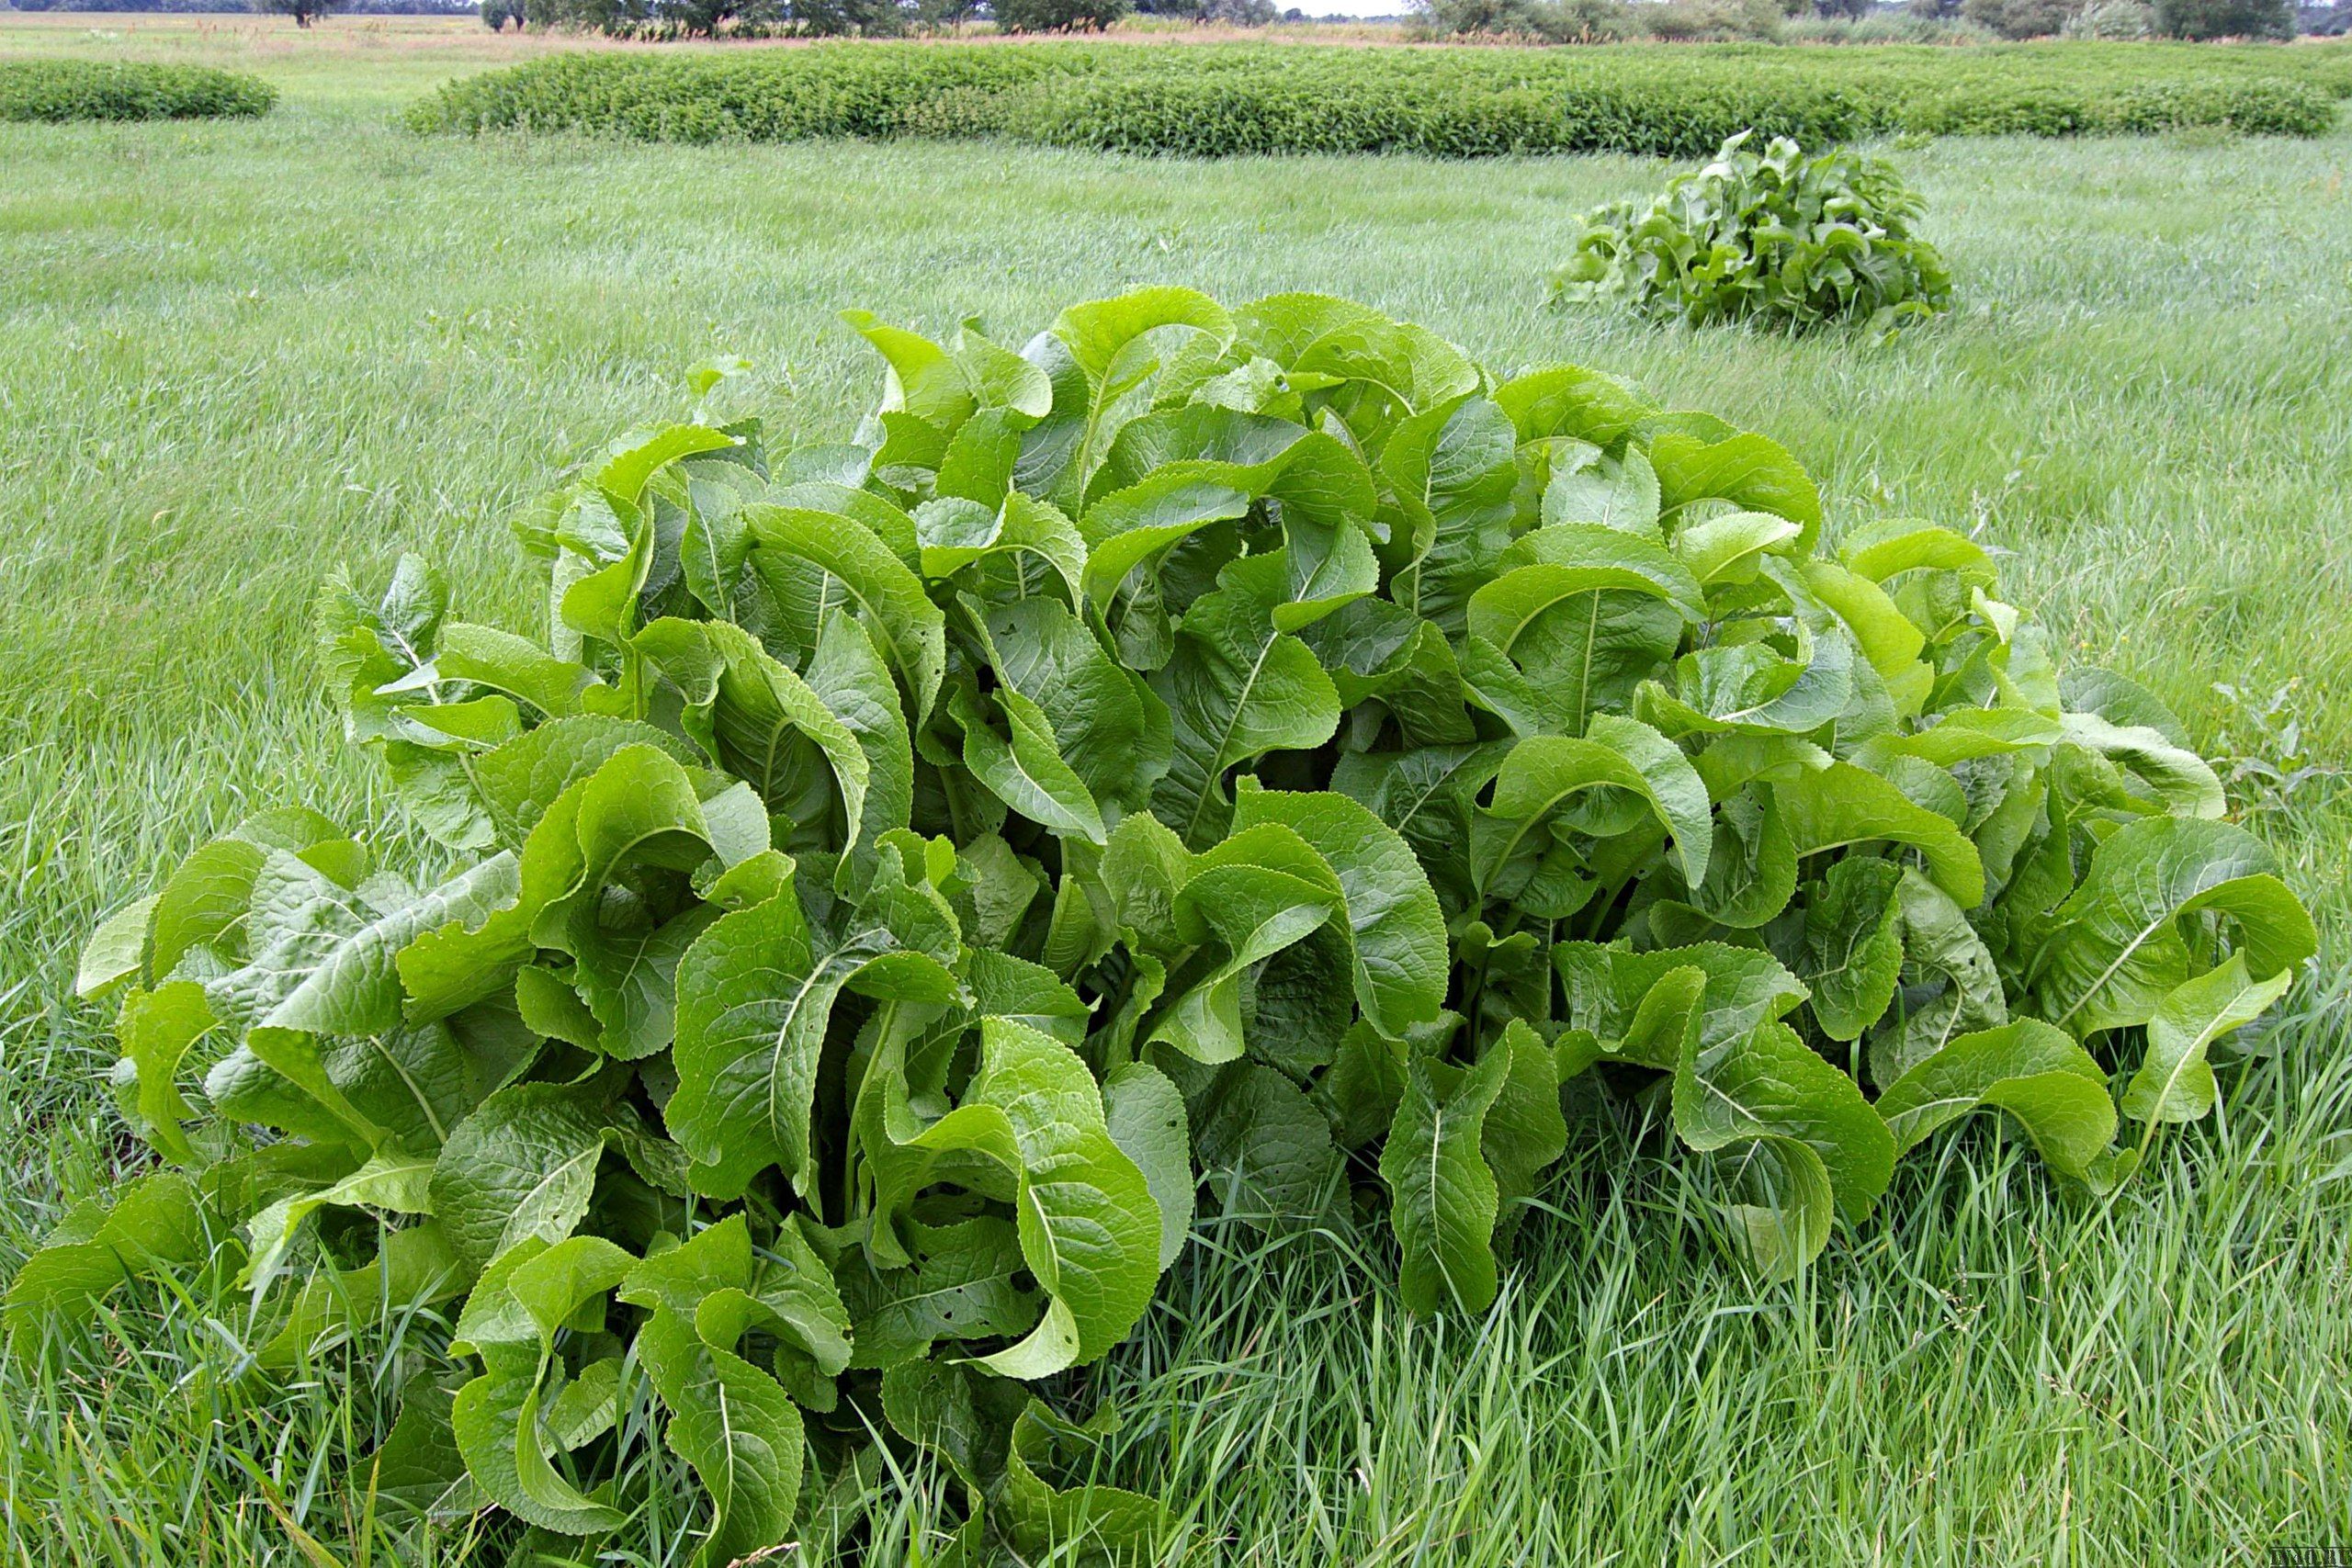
x=233, y=355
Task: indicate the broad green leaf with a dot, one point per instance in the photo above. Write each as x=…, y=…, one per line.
x=1949, y=986
x=1782, y=1201
x=921, y=377
x=633, y=460
x=414, y=1267
x=1573, y=401
x=734, y=1424
x=202, y=904
x=959, y=1415
x=484, y=656
x=519, y=780
x=1606, y=987
x=2034, y=1072
x=394, y=1183
x=1396, y=933
x=1896, y=545
x=1374, y=651
x=418, y=1466
x=755, y=994
x=1110, y=728
x=731, y=1421
x=1172, y=472
x=1749, y=470
x=524, y=1165
x=639, y=809
x=1443, y=1199
x=1145, y=1116
x=960, y=1283
x=1089, y=1227
x=154, y=1225
x=627, y=977
x=761, y=715
x=1853, y=946
x=851, y=567
x=1450, y=468
x=1100, y=333
x=1769, y=1083
x=1523, y=1131
x=1831, y=807
x=115, y=949
x=2174, y=1081
x=848, y=675
x=1724, y=548
x=1426, y=794
x=1751, y=686
x=1248, y=899
x=324, y=954
x=155, y=1029
x=509, y=1416
x=1621, y=493
x=1543, y=779
x=1752, y=867
x=2118, y=949
x=2173, y=773
x=1023, y=766
x=1265, y=1152
x=1093, y=1517
x=1237, y=689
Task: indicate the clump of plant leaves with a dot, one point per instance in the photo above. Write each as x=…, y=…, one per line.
x=1775, y=237
x=1208, y=756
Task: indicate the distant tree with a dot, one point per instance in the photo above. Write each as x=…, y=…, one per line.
x=304, y=12
x=945, y=13
x=1242, y=13
x=1852, y=10
x=1058, y=15
x=2225, y=19
x=496, y=14
x=1529, y=19
x=583, y=14
x=2018, y=18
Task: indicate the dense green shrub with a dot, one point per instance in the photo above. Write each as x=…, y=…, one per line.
x=1889, y=27
x=84, y=89
x=1058, y=15
x=1490, y=19
x=2019, y=19
x=2225, y=19
x=304, y=12
x=1771, y=236
x=1227, y=758
x=1215, y=100
x=2116, y=19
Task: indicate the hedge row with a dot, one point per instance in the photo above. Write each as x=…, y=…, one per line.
x=89, y=89
x=1219, y=100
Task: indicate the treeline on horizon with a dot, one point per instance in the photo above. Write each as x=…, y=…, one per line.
x=372, y=7
x=1558, y=21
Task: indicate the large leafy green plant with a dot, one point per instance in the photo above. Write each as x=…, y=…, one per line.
x=1239, y=752
x=1772, y=236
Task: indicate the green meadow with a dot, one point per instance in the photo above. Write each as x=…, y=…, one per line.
x=235, y=355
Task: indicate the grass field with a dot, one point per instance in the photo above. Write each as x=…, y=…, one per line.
x=233, y=354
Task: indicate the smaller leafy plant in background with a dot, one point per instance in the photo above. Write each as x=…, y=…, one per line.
x=1774, y=236
x=54, y=91
x=2269, y=767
